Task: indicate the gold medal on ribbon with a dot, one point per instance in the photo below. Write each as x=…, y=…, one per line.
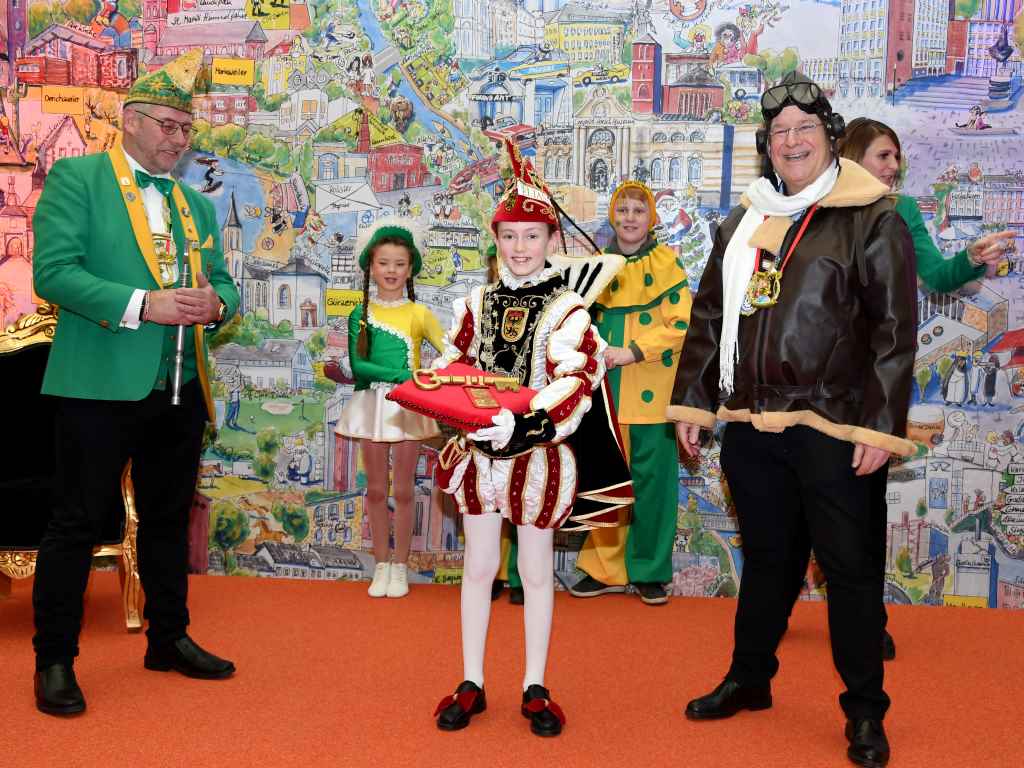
x=763, y=290
x=166, y=259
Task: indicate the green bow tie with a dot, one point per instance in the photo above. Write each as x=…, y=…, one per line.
x=164, y=186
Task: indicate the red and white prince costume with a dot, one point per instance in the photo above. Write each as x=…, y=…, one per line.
x=537, y=330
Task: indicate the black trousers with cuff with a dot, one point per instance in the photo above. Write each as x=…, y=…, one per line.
x=790, y=487
x=94, y=441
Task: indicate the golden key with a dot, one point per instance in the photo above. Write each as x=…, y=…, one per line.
x=427, y=378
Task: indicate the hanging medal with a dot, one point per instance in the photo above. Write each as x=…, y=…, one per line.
x=166, y=251
x=766, y=282
x=763, y=289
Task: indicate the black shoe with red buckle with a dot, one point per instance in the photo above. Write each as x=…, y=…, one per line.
x=454, y=712
x=546, y=717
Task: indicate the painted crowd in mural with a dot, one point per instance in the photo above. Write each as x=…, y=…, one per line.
x=321, y=116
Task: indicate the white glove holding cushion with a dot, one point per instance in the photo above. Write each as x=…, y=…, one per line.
x=500, y=434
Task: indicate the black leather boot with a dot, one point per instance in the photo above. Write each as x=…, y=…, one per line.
x=868, y=745
x=57, y=691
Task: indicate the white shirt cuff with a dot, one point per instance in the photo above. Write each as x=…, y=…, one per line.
x=130, y=319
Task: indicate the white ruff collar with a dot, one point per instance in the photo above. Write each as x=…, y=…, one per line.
x=515, y=283
x=739, y=261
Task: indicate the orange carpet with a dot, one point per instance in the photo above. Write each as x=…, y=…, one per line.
x=328, y=676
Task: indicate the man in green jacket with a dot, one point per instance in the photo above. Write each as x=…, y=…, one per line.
x=114, y=233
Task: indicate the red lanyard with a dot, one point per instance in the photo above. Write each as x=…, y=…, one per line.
x=796, y=240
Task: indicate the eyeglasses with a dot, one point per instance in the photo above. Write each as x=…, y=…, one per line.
x=169, y=126
x=799, y=132
x=802, y=94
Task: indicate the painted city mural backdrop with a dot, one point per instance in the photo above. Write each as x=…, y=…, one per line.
x=323, y=115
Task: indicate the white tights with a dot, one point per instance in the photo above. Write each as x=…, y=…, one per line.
x=480, y=566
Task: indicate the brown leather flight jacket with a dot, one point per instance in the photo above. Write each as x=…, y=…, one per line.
x=836, y=352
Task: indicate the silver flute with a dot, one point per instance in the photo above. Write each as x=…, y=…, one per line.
x=179, y=344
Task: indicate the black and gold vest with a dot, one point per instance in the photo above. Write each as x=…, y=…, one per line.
x=508, y=325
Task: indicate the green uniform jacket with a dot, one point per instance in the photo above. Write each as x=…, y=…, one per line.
x=936, y=271
x=86, y=261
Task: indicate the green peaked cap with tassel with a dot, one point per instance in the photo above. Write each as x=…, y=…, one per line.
x=171, y=85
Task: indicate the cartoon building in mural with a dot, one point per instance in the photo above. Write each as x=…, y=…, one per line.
x=336, y=113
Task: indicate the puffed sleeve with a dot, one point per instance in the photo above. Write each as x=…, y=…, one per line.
x=459, y=344
x=671, y=332
x=575, y=366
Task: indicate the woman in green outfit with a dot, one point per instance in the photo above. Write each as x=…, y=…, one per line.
x=876, y=147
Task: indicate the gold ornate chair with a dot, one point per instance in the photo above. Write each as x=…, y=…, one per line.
x=26, y=474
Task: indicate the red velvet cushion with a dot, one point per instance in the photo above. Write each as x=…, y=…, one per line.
x=452, y=405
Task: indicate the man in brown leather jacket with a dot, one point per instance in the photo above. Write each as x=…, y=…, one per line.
x=802, y=338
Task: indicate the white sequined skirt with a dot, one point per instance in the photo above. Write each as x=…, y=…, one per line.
x=371, y=416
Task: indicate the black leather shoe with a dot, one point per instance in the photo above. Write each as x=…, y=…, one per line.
x=57, y=691
x=546, y=717
x=868, y=745
x=888, y=646
x=728, y=699
x=496, y=586
x=516, y=596
x=189, y=659
x=454, y=712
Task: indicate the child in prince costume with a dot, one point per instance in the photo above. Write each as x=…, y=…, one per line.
x=531, y=326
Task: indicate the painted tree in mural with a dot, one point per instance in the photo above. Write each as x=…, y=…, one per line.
x=923, y=377
x=293, y=519
x=103, y=105
x=229, y=529
x=774, y=66
x=268, y=443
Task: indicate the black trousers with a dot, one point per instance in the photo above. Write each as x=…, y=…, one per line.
x=789, y=487
x=880, y=519
x=94, y=440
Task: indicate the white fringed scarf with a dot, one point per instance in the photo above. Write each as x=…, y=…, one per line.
x=739, y=261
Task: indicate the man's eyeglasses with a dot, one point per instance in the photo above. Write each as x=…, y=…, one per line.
x=799, y=132
x=169, y=126
x=802, y=94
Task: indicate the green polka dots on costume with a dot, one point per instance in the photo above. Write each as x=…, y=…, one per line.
x=615, y=284
x=666, y=358
x=645, y=318
x=648, y=280
x=680, y=325
x=674, y=297
x=647, y=396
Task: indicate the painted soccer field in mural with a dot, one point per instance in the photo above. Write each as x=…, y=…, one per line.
x=323, y=116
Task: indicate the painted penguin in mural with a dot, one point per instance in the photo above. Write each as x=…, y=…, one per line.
x=977, y=376
x=991, y=376
x=954, y=386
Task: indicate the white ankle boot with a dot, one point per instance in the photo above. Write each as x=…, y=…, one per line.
x=381, y=579
x=398, y=584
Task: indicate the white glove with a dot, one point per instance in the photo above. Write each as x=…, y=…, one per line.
x=498, y=435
